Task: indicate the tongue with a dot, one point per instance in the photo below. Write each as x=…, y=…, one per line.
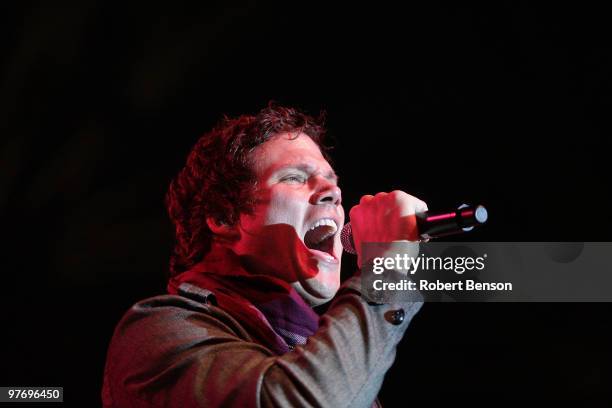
x=315, y=236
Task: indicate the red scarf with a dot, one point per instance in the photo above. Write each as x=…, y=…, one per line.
x=269, y=308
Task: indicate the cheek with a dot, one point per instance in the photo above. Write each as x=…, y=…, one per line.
x=285, y=207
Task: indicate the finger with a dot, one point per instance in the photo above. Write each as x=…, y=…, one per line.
x=366, y=198
x=416, y=203
x=421, y=206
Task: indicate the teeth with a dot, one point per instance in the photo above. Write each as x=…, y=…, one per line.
x=325, y=221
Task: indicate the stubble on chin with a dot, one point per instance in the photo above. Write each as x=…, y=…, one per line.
x=316, y=291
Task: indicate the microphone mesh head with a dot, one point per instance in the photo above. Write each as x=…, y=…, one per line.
x=346, y=237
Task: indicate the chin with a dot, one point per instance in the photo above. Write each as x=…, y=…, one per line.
x=316, y=291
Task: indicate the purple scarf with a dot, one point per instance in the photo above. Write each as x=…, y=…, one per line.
x=270, y=308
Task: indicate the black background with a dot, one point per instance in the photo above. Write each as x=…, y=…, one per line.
x=505, y=104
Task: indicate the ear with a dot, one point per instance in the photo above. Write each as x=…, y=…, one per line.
x=222, y=230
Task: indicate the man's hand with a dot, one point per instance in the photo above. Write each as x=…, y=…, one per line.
x=385, y=218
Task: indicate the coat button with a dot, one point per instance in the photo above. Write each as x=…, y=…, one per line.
x=395, y=317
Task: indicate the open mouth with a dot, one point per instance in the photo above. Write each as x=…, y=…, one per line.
x=320, y=237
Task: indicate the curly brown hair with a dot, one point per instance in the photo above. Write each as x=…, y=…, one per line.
x=217, y=180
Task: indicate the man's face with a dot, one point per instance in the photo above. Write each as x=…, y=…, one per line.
x=294, y=231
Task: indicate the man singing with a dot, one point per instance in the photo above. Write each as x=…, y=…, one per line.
x=257, y=213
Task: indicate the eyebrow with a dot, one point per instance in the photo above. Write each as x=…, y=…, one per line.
x=307, y=168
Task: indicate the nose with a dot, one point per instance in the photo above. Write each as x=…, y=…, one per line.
x=326, y=193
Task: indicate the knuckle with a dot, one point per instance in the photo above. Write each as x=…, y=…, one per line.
x=399, y=195
x=365, y=198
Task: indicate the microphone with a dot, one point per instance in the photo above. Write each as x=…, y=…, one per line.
x=432, y=224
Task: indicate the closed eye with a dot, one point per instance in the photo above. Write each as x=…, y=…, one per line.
x=293, y=178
